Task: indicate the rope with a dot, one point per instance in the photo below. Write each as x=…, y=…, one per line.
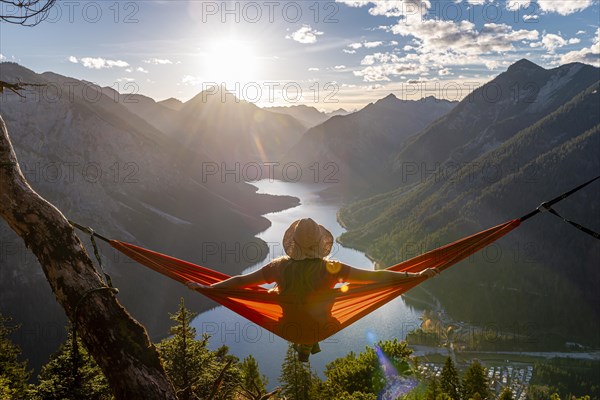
x=93, y=234
x=557, y=199
x=573, y=223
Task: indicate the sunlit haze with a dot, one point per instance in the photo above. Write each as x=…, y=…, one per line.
x=365, y=49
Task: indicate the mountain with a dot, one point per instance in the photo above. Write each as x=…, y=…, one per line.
x=156, y=113
x=354, y=149
x=104, y=166
x=339, y=111
x=172, y=103
x=308, y=116
x=484, y=172
x=234, y=131
x=490, y=115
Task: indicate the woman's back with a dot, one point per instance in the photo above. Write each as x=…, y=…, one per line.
x=306, y=293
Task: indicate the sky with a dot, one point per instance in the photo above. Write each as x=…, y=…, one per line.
x=326, y=54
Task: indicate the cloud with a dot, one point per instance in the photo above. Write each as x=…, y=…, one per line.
x=98, y=62
x=305, y=35
x=370, y=45
x=367, y=45
x=381, y=58
x=440, y=36
x=438, y=44
x=587, y=55
x=562, y=7
x=392, y=8
x=551, y=42
x=443, y=72
x=191, y=80
x=383, y=72
x=313, y=69
x=339, y=67
x=580, y=33
x=140, y=69
x=158, y=61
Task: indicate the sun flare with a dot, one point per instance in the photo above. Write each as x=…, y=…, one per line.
x=231, y=61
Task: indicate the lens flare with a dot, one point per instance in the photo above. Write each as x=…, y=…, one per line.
x=396, y=385
x=371, y=338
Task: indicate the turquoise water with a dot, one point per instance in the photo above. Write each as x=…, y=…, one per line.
x=243, y=337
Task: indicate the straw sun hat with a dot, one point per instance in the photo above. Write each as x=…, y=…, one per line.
x=307, y=239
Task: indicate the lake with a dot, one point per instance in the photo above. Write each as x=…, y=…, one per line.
x=394, y=320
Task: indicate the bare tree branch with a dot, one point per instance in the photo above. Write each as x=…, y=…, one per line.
x=119, y=344
x=25, y=12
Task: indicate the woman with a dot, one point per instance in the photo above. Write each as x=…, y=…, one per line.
x=305, y=277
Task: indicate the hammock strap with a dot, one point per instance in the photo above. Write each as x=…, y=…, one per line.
x=555, y=200
x=93, y=234
x=546, y=207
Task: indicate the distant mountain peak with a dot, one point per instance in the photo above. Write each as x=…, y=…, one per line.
x=215, y=95
x=172, y=103
x=389, y=99
x=525, y=64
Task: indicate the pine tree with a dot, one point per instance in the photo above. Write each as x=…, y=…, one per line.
x=189, y=364
x=253, y=384
x=229, y=376
x=59, y=379
x=449, y=380
x=13, y=373
x=475, y=381
x=296, y=377
x=506, y=394
x=433, y=389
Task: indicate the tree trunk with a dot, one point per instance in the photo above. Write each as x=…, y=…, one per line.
x=119, y=344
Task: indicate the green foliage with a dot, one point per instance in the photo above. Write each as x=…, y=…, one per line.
x=356, y=396
x=363, y=373
x=449, y=380
x=506, y=394
x=298, y=382
x=13, y=373
x=475, y=382
x=253, y=384
x=566, y=377
x=191, y=366
x=58, y=380
x=433, y=389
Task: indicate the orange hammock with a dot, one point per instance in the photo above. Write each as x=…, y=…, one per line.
x=264, y=308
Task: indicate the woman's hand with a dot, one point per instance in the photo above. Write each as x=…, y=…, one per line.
x=196, y=285
x=429, y=272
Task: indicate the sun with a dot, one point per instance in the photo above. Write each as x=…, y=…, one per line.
x=231, y=61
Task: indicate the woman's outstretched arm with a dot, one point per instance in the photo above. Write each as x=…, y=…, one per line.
x=364, y=275
x=235, y=282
